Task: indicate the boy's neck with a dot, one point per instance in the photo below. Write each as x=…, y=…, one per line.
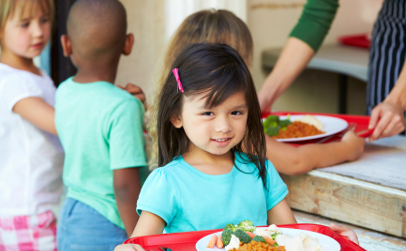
x=17, y=62
x=87, y=74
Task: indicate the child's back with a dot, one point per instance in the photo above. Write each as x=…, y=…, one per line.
x=100, y=127
x=98, y=124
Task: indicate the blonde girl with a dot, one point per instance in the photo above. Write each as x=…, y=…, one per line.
x=31, y=156
x=222, y=26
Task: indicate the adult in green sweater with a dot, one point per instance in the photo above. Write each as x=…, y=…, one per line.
x=386, y=89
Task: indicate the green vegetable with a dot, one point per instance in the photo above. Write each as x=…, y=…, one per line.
x=242, y=236
x=246, y=225
x=271, y=131
x=259, y=238
x=273, y=124
x=284, y=123
x=230, y=227
x=273, y=236
x=271, y=121
x=275, y=245
x=226, y=236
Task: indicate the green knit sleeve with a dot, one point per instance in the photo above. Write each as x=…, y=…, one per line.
x=315, y=22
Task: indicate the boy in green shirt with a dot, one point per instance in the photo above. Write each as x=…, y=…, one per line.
x=100, y=127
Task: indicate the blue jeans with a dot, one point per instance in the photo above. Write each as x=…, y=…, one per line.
x=83, y=228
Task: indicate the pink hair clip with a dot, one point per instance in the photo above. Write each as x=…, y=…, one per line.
x=176, y=74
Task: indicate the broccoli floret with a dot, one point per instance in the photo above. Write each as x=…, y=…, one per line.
x=272, y=120
x=259, y=238
x=226, y=236
x=284, y=123
x=242, y=236
x=273, y=236
x=246, y=225
x=271, y=131
x=230, y=227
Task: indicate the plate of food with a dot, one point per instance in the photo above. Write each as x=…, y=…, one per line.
x=245, y=237
x=292, y=128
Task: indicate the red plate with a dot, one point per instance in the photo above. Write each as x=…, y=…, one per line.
x=361, y=130
x=187, y=241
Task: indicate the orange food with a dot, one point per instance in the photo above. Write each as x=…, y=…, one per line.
x=220, y=243
x=269, y=240
x=250, y=234
x=258, y=246
x=297, y=130
x=213, y=241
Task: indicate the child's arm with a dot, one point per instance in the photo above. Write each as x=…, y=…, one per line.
x=281, y=214
x=148, y=224
x=292, y=160
x=126, y=190
x=37, y=112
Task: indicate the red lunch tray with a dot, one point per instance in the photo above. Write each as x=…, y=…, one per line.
x=187, y=241
x=361, y=130
x=359, y=40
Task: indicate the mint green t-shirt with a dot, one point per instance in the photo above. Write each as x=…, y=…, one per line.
x=101, y=129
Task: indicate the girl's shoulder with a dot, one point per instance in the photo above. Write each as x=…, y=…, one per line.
x=21, y=77
x=169, y=169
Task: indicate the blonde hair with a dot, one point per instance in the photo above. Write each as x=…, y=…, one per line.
x=8, y=8
x=214, y=26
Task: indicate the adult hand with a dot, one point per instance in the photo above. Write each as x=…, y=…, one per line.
x=388, y=119
x=344, y=231
x=129, y=247
x=134, y=90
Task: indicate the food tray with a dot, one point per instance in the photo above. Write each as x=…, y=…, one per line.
x=361, y=40
x=361, y=130
x=187, y=241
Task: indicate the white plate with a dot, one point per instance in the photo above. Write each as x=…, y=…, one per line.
x=328, y=243
x=331, y=125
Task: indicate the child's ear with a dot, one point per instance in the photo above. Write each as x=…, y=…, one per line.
x=66, y=45
x=128, y=46
x=176, y=122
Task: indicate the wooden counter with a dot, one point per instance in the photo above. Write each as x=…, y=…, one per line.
x=369, y=192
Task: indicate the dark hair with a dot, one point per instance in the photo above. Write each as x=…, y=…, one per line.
x=219, y=71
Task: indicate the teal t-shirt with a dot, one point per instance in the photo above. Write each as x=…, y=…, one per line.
x=189, y=200
x=101, y=129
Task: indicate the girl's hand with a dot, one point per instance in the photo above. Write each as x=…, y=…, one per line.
x=134, y=90
x=355, y=145
x=344, y=231
x=129, y=247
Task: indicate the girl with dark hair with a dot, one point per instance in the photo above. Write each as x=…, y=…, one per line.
x=208, y=115
x=222, y=26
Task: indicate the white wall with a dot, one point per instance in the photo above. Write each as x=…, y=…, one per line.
x=153, y=22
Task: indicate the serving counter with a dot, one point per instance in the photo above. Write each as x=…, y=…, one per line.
x=369, y=192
